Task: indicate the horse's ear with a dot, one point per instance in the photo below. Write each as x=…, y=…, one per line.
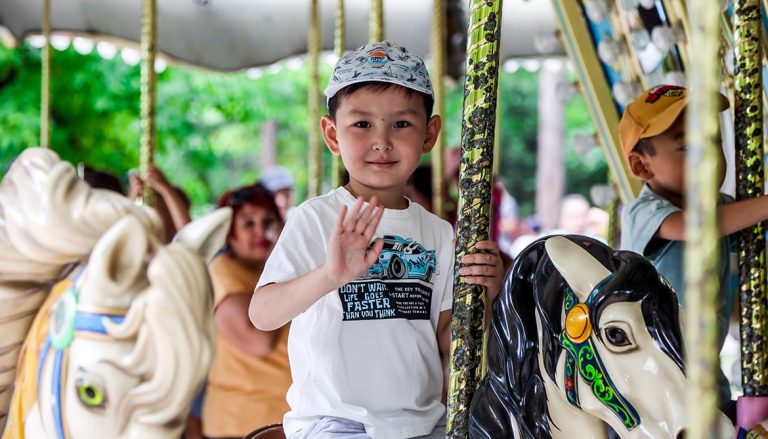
x=579, y=268
x=117, y=265
x=206, y=235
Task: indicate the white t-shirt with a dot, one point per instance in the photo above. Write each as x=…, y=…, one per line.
x=368, y=351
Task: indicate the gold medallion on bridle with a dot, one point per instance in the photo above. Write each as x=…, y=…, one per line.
x=577, y=325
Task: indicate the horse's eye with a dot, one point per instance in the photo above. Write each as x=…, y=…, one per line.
x=89, y=394
x=616, y=336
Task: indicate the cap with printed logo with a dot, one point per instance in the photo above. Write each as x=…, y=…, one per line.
x=380, y=62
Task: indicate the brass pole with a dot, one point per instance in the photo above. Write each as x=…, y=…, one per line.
x=477, y=134
x=439, y=50
x=338, y=48
x=313, y=99
x=376, y=22
x=148, y=95
x=45, y=86
x=749, y=184
x=701, y=232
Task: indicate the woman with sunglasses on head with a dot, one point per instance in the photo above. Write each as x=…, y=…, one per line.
x=249, y=376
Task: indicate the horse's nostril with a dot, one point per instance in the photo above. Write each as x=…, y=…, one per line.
x=681, y=434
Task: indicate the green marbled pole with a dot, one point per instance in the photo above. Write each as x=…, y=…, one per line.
x=701, y=233
x=749, y=184
x=477, y=139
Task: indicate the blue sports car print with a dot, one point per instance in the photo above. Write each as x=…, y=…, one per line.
x=403, y=258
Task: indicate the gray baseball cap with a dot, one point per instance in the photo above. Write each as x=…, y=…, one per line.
x=380, y=62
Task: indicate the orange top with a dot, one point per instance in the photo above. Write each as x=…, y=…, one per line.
x=244, y=392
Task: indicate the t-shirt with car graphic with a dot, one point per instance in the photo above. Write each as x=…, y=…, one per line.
x=398, y=285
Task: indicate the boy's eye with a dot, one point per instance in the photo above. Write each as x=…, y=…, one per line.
x=362, y=124
x=402, y=124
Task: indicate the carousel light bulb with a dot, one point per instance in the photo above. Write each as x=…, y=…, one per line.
x=60, y=42
x=160, y=65
x=511, y=66
x=254, y=73
x=597, y=10
x=106, y=50
x=602, y=194
x=640, y=38
x=130, y=56
x=531, y=65
x=83, y=46
x=547, y=42
x=609, y=51
x=36, y=41
x=665, y=37
x=625, y=92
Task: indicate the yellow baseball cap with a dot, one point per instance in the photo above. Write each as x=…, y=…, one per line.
x=652, y=113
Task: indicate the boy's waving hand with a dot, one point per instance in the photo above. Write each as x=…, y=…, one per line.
x=348, y=255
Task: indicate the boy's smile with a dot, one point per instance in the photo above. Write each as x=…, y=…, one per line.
x=381, y=136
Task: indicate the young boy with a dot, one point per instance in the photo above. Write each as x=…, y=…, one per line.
x=369, y=319
x=652, y=132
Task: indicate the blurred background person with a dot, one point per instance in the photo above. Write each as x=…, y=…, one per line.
x=250, y=375
x=279, y=181
x=171, y=203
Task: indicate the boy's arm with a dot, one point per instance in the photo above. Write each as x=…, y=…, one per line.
x=347, y=258
x=732, y=218
x=485, y=269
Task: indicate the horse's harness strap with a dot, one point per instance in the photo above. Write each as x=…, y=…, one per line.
x=582, y=357
x=67, y=320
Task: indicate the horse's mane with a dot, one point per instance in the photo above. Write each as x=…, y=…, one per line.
x=512, y=396
x=178, y=287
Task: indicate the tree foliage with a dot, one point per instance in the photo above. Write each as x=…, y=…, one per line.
x=208, y=124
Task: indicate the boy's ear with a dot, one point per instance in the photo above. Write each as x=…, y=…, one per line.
x=328, y=126
x=433, y=131
x=639, y=165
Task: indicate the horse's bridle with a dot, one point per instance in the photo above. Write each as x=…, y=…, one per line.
x=581, y=356
x=67, y=319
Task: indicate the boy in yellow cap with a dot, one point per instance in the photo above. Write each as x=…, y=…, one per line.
x=653, y=140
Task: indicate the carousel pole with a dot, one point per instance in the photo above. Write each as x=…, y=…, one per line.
x=439, y=50
x=701, y=232
x=148, y=94
x=338, y=48
x=477, y=134
x=315, y=150
x=749, y=184
x=45, y=86
x=376, y=22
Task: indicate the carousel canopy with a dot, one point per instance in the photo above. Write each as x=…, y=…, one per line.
x=237, y=34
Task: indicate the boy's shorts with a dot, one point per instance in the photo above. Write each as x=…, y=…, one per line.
x=329, y=427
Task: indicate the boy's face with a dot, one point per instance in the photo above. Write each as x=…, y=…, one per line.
x=380, y=135
x=664, y=171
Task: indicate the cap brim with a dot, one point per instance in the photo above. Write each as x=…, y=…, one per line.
x=331, y=90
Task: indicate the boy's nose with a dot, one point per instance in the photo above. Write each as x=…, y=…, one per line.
x=382, y=143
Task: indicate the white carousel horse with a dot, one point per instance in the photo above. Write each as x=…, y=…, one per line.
x=121, y=344
x=583, y=338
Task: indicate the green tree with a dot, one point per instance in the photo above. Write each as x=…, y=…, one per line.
x=208, y=124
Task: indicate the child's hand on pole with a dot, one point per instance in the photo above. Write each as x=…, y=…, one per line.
x=485, y=268
x=348, y=256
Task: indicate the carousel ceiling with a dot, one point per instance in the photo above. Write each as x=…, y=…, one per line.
x=236, y=34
